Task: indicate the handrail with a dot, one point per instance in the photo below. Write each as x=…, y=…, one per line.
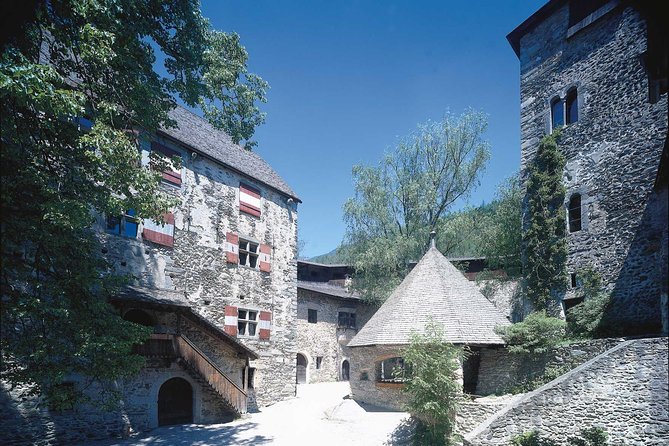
x=211, y=372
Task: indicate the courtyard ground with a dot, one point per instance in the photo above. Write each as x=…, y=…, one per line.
x=320, y=414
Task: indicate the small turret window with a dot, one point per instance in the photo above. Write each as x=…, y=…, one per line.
x=575, y=213
x=572, y=106
x=557, y=114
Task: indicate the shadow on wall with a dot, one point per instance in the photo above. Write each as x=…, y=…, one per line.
x=25, y=420
x=635, y=306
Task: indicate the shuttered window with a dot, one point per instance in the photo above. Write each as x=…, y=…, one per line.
x=160, y=233
x=249, y=200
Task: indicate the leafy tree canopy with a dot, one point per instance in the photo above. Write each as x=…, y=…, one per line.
x=400, y=201
x=79, y=61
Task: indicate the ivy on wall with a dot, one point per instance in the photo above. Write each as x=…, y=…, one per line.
x=544, y=237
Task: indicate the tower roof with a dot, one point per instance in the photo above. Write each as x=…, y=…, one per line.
x=434, y=290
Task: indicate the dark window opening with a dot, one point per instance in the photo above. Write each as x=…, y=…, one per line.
x=364, y=376
x=312, y=316
x=557, y=114
x=575, y=213
x=346, y=320
x=572, y=278
x=345, y=370
x=319, y=361
x=572, y=106
x=392, y=370
x=139, y=317
x=470, y=371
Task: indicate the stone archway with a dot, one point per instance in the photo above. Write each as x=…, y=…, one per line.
x=175, y=402
x=345, y=370
x=301, y=373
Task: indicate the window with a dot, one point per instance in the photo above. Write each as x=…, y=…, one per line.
x=572, y=278
x=248, y=253
x=249, y=200
x=557, y=114
x=391, y=370
x=346, y=319
x=579, y=10
x=319, y=361
x=125, y=225
x=572, y=106
x=575, y=213
x=247, y=322
x=312, y=316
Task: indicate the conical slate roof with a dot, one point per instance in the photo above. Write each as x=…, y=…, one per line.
x=436, y=290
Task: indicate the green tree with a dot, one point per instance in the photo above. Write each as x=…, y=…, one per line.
x=544, y=237
x=94, y=59
x=502, y=233
x=433, y=384
x=537, y=333
x=399, y=202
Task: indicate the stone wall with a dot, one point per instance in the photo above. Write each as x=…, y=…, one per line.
x=364, y=388
x=502, y=293
x=325, y=338
x=624, y=391
x=197, y=266
x=612, y=152
x=501, y=371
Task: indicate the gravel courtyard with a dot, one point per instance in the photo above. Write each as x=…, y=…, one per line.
x=320, y=414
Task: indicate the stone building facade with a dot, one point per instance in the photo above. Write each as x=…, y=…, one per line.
x=329, y=314
x=598, y=70
x=217, y=282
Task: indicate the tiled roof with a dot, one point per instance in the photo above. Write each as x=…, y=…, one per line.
x=326, y=288
x=197, y=134
x=434, y=290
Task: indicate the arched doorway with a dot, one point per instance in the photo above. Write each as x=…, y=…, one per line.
x=345, y=370
x=175, y=402
x=301, y=369
x=139, y=317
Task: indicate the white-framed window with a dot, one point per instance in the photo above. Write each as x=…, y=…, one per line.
x=392, y=370
x=247, y=322
x=248, y=253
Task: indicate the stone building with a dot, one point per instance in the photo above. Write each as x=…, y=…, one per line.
x=434, y=290
x=598, y=70
x=216, y=281
x=329, y=314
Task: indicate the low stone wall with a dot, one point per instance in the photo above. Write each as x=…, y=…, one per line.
x=472, y=413
x=501, y=371
x=364, y=388
x=624, y=390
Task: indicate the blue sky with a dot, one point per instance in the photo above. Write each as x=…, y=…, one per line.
x=349, y=77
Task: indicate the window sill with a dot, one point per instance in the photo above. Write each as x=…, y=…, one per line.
x=592, y=18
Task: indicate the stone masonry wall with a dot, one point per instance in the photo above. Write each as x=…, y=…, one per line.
x=325, y=338
x=624, y=391
x=26, y=420
x=364, y=387
x=197, y=266
x=500, y=371
x=612, y=152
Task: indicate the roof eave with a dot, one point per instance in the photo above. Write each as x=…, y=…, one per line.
x=514, y=36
